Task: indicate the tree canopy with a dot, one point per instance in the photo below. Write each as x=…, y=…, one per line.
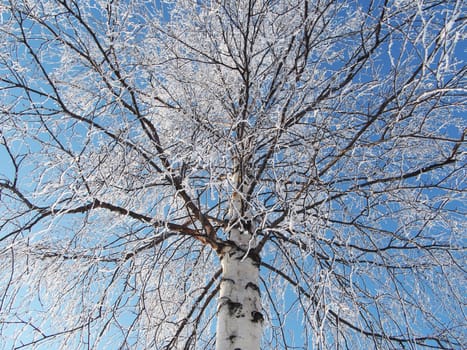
x=322, y=139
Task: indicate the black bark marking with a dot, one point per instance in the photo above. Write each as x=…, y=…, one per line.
x=252, y=253
x=245, y=225
x=223, y=279
x=232, y=338
x=235, y=309
x=257, y=316
x=252, y=286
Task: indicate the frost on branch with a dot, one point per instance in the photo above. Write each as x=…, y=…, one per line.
x=170, y=168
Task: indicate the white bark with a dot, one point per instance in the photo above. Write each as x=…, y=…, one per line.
x=239, y=315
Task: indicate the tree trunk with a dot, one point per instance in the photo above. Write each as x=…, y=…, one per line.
x=239, y=317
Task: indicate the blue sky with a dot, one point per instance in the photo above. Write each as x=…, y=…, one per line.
x=6, y=172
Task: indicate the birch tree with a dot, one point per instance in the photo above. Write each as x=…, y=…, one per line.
x=248, y=174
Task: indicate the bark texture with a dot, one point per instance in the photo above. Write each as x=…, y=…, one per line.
x=240, y=318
